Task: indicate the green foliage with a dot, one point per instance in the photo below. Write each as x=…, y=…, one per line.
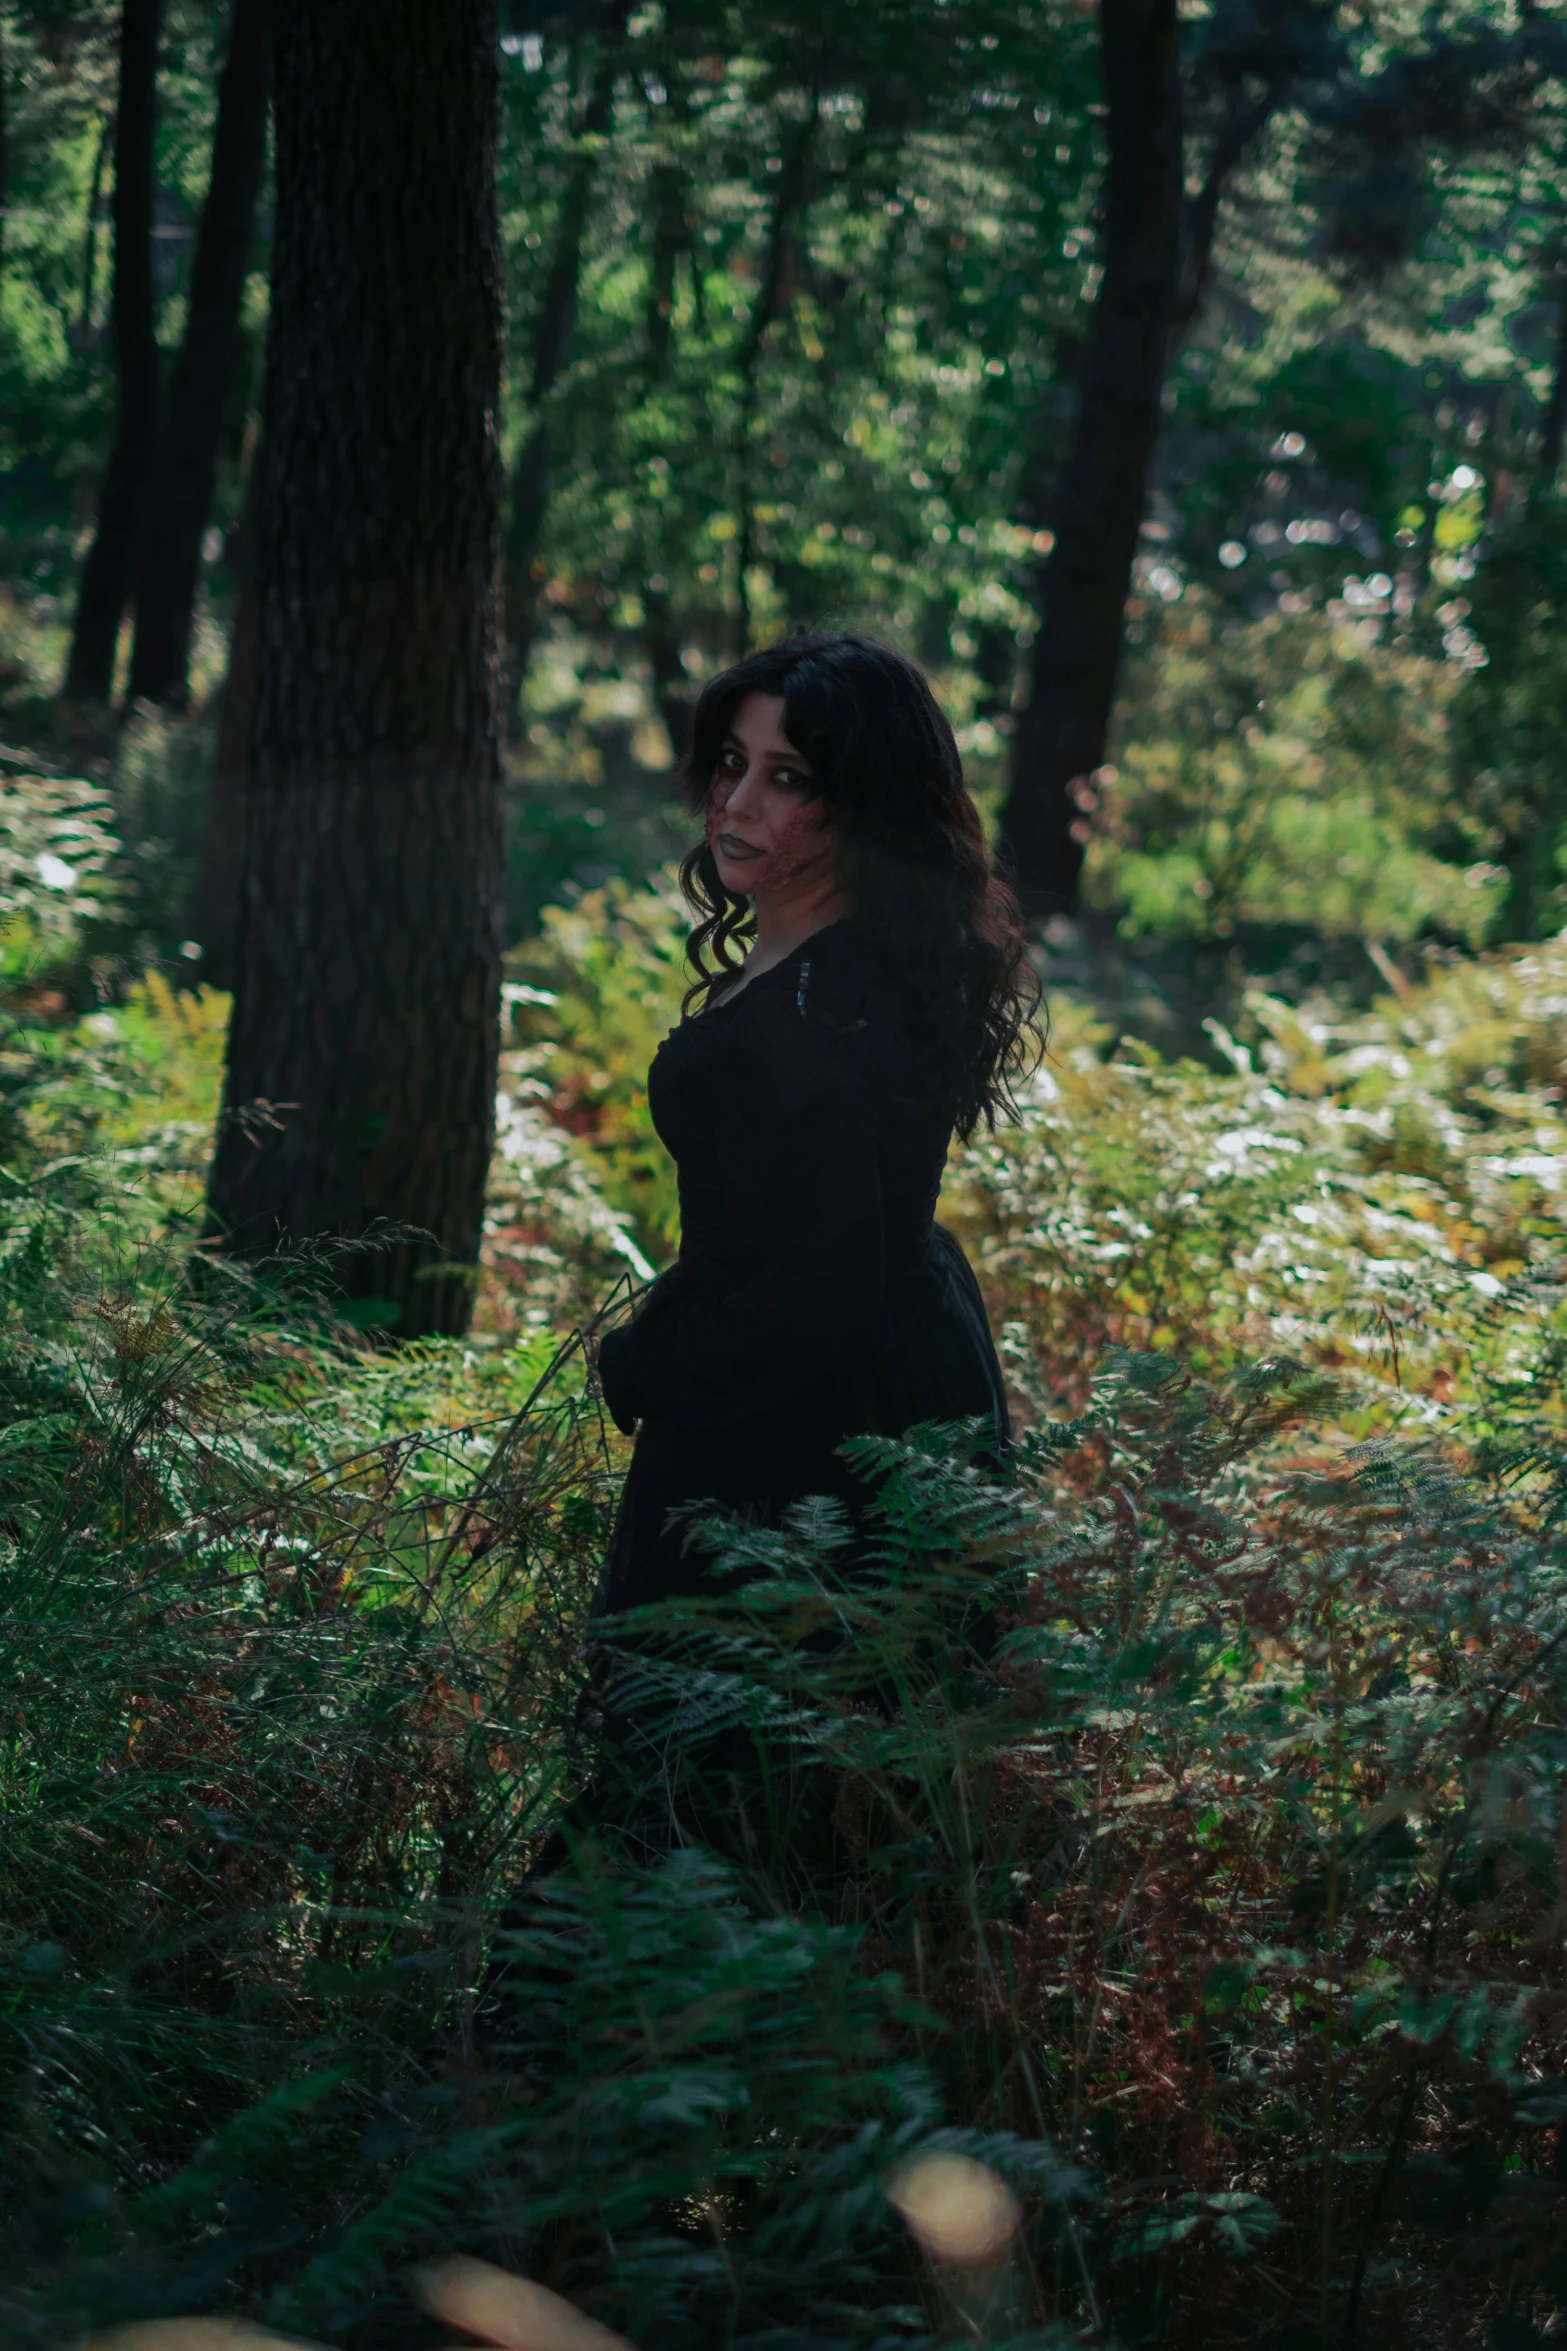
x=1174, y=1826
x=827, y=288
x=1284, y=772
x=1509, y=738
x=55, y=375
x=1185, y=1789
x=286, y=1625
x=596, y=992
x=1177, y=1826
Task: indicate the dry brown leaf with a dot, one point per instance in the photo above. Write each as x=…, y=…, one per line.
x=957, y=2209
x=511, y=2311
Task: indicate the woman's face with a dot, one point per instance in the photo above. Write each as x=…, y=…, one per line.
x=768, y=835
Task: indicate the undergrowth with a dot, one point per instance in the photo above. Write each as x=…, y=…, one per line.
x=1176, y=1826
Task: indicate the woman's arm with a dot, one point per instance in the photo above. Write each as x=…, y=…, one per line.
x=798, y=1131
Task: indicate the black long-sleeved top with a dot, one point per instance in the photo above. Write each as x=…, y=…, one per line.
x=814, y=1297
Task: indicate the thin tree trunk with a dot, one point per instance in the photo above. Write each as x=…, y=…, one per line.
x=214, y=918
x=359, y=1096
x=662, y=639
x=670, y=237
x=1083, y=587
x=660, y=632
x=111, y=560
x=90, y=239
x=1553, y=434
x=187, y=461
x=5, y=146
x=765, y=312
x=553, y=335
x=1200, y=218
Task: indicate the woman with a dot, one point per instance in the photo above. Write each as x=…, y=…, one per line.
x=808, y=1098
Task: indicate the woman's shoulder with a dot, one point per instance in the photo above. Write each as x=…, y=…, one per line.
x=831, y=982
x=826, y=1014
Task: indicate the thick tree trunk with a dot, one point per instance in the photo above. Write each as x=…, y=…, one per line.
x=1083, y=587
x=111, y=560
x=553, y=335
x=181, y=494
x=362, y=1052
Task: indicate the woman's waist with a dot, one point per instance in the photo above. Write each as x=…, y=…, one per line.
x=716, y=1262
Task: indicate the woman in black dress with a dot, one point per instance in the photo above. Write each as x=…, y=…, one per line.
x=808, y=1097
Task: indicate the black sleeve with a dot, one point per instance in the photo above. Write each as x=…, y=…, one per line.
x=798, y=1130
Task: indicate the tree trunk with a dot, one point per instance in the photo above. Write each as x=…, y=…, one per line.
x=359, y=1097
x=553, y=335
x=214, y=917
x=771, y=297
x=668, y=200
x=111, y=559
x=1200, y=218
x=90, y=240
x=187, y=462
x=1553, y=434
x=1083, y=588
x=5, y=149
x=660, y=632
x=671, y=687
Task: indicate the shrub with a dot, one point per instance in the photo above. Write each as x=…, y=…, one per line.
x=592, y=997
x=1285, y=772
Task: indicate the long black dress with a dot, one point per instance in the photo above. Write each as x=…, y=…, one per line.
x=814, y=1297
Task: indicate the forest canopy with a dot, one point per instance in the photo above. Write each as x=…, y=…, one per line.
x=798, y=317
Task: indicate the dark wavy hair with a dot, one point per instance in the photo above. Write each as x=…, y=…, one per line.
x=944, y=926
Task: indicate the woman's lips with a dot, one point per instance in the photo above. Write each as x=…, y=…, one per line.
x=733, y=847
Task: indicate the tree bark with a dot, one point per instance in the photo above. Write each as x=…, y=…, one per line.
x=1553, y=434
x=1200, y=218
x=1083, y=588
x=553, y=335
x=90, y=240
x=667, y=205
x=660, y=631
x=214, y=916
x=111, y=560
x=187, y=462
x=5, y=147
x=359, y=1095
x=788, y=206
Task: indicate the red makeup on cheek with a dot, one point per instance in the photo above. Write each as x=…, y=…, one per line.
x=803, y=848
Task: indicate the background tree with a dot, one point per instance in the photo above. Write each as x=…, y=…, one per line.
x=5, y=155
x=552, y=333
x=179, y=494
x=1374, y=124
x=361, y=1061
x=1061, y=734
x=1183, y=107
x=857, y=399
x=109, y=569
